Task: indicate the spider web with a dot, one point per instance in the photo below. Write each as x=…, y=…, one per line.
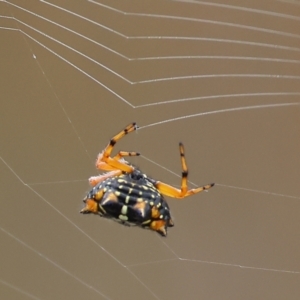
x=222, y=78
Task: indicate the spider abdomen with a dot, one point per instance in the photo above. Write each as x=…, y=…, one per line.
x=132, y=199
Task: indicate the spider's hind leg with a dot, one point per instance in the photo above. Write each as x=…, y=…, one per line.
x=171, y=191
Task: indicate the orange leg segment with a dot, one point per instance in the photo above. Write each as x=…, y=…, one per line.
x=105, y=162
x=129, y=128
x=171, y=191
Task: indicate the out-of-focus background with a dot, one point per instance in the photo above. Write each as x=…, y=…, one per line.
x=223, y=77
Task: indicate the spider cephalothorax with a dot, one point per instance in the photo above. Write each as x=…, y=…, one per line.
x=130, y=196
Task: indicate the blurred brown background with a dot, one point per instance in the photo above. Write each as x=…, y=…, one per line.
x=221, y=77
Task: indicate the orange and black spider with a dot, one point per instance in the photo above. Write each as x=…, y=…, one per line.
x=129, y=196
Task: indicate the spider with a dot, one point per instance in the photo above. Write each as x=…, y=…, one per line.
x=128, y=195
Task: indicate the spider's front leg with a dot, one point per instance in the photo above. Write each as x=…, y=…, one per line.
x=94, y=180
x=117, y=164
x=171, y=191
x=129, y=128
x=101, y=165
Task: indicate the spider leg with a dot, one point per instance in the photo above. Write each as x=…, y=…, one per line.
x=129, y=128
x=101, y=165
x=117, y=162
x=125, y=153
x=94, y=180
x=171, y=191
